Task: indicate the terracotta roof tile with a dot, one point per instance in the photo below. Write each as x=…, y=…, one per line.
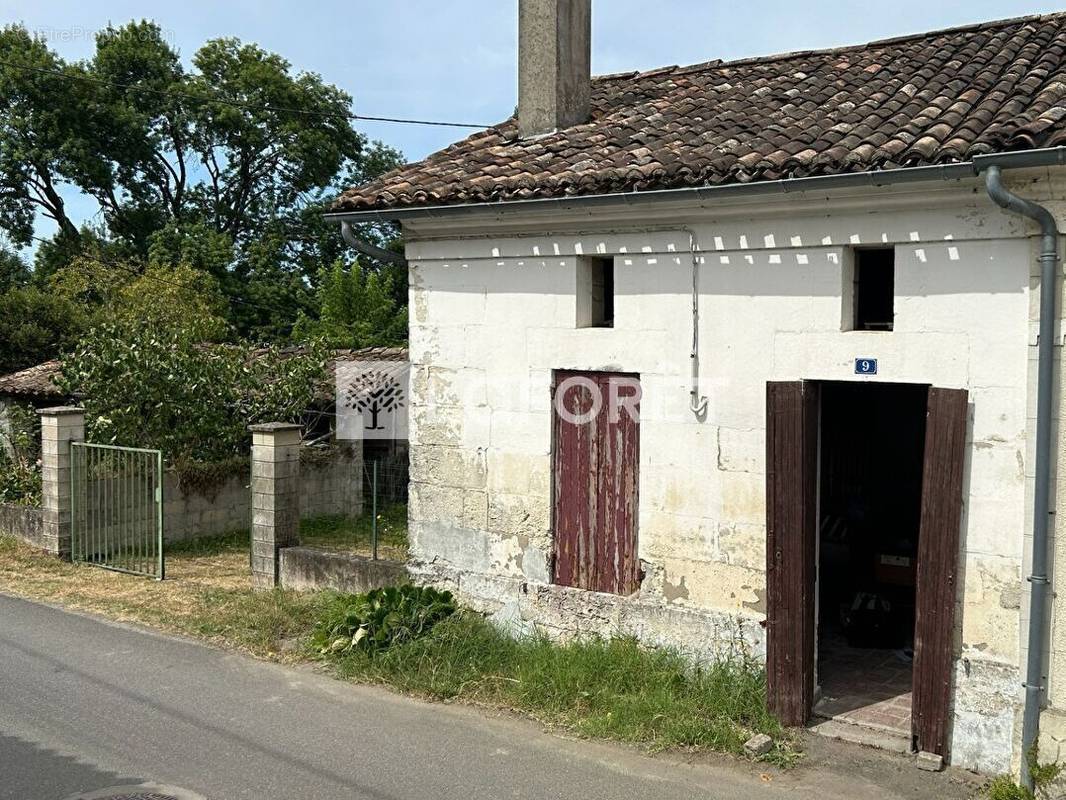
x=33, y=382
x=933, y=98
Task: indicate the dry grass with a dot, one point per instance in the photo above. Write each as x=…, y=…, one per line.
x=207, y=593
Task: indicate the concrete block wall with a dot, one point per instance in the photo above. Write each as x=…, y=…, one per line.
x=330, y=485
x=23, y=522
x=196, y=513
x=59, y=427
x=491, y=317
x=275, y=497
x=333, y=485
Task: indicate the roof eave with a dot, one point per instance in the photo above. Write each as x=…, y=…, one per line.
x=936, y=172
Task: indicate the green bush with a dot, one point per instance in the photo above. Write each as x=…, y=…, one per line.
x=145, y=386
x=20, y=453
x=380, y=618
x=1045, y=777
x=1003, y=787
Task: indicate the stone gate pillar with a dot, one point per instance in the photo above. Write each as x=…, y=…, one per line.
x=59, y=427
x=275, y=497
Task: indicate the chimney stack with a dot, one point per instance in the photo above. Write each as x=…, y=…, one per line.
x=554, y=64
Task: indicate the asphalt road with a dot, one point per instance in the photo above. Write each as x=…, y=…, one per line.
x=87, y=704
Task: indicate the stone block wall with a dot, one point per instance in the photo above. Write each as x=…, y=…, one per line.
x=493, y=316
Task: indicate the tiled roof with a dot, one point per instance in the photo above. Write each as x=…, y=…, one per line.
x=32, y=382
x=934, y=98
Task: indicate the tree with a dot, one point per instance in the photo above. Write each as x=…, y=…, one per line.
x=173, y=296
x=13, y=270
x=36, y=326
x=356, y=309
x=225, y=167
x=45, y=120
x=159, y=294
x=133, y=129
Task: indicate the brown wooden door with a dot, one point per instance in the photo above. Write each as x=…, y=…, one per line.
x=938, y=557
x=791, y=535
x=596, y=470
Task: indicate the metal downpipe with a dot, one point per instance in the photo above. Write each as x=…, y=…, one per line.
x=697, y=402
x=368, y=249
x=1042, y=511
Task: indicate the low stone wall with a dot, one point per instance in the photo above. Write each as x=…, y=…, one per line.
x=328, y=485
x=523, y=607
x=23, y=522
x=305, y=569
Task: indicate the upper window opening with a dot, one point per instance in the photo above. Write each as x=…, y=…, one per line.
x=874, y=289
x=595, y=293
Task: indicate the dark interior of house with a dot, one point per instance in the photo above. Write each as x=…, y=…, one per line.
x=872, y=441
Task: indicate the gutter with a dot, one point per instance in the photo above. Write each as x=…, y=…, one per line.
x=886, y=177
x=1042, y=511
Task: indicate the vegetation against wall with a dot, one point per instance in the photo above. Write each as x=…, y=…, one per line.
x=380, y=618
x=162, y=388
x=20, y=456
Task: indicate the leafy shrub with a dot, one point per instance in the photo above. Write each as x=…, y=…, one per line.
x=380, y=618
x=356, y=309
x=1003, y=787
x=161, y=388
x=1045, y=776
x=20, y=453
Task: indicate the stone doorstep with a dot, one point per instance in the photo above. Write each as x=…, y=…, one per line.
x=874, y=736
x=892, y=741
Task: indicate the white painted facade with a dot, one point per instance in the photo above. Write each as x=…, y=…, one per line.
x=493, y=312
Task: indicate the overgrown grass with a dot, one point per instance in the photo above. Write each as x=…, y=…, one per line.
x=612, y=689
x=337, y=532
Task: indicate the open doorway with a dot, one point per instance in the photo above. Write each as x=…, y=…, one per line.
x=871, y=444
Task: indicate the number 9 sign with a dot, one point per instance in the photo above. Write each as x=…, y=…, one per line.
x=865, y=366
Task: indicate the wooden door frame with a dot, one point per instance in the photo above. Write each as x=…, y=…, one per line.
x=791, y=677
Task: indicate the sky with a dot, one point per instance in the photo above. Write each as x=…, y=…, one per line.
x=454, y=60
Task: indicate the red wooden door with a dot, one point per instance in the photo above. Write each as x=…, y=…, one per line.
x=791, y=535
x=596, y=436
x=938, y=557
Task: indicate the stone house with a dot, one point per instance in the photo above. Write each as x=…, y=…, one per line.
x=749, y=355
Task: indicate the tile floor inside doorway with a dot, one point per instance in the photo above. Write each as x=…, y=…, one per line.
x=865, y=687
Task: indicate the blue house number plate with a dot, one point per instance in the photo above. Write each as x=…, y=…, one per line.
x=865, y=366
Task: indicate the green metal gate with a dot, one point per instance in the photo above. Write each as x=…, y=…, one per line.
x=117, y=508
